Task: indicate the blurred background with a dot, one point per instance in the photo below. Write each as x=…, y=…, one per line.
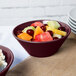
x=14, y=12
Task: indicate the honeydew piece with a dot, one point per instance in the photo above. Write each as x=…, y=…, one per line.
x=29, y=27
x=53, y=24
x=57, y=35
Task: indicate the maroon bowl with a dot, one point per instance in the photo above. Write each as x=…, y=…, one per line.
x=9, y=59
x=41, y=49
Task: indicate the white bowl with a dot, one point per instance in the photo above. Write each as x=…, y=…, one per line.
x=72, y=14
x=72, y=29
x=72, y=23
x=72, y=20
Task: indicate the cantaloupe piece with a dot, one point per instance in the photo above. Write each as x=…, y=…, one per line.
x=24, y=36
x=37, y=31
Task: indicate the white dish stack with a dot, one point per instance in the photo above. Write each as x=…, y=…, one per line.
x=72, y=20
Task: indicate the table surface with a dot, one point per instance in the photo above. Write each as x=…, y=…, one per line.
x=62, y=63
x=7, y=39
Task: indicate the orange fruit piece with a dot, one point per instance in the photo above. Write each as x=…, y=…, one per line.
x=37, y=31
x=24, y=36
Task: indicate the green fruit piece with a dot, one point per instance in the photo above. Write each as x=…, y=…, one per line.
x=29, y=27
x=57, y=35
x=53, y=24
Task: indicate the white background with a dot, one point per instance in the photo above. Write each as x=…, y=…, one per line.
x=14, y=12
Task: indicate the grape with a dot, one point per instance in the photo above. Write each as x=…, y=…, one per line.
x=62, y=28
x=32, y=39
x=55, y=38
x=51, y=33
x=45, y=25
x=30, y=32
x=43, y=28
x=35, y=26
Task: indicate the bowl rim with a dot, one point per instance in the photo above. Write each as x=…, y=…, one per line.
x=69, y=14
x=11, y=61
x=44, y=41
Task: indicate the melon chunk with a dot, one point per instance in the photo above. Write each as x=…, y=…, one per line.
x=57, y=35
x=53, y=24
x=37, y=31
x=24, y=36
x=43, y=37
x=27, y=28
x=37, y=24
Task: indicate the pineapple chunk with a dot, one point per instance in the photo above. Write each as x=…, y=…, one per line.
x=56, y=31
x=48, y=28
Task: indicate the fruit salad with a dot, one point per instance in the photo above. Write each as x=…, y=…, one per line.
x=42, y=31
x=3, y=62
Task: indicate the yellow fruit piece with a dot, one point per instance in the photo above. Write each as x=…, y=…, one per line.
x=56, y=31
x=59, y=32
x=24, y=36
x=37, y=31
x=48, y=28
